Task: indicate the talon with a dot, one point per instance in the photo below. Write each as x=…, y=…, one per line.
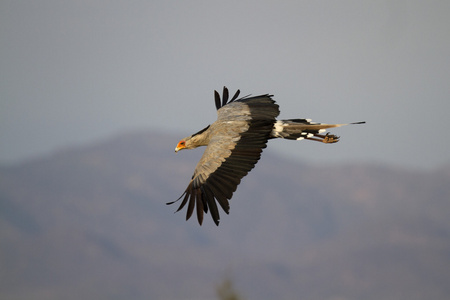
x=330, y=138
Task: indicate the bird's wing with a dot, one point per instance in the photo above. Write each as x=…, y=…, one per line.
x=237, y=139
x=225, y=95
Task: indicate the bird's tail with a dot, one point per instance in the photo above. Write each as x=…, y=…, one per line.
x=299, y=129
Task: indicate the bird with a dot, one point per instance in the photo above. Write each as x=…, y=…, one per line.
x=234, y=143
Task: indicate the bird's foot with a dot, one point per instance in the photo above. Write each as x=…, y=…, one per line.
x=330, y=138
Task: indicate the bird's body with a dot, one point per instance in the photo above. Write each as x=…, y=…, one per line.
x=234, y=145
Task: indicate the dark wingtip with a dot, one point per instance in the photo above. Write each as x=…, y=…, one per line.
x=217, y=99
x=235, y=95
x=200, y=219
x=362, y=122
x=172, y=202
x=199, y=203
x=225, y=96
x=190, y=208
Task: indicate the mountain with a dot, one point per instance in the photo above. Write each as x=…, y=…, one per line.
x=90, y=222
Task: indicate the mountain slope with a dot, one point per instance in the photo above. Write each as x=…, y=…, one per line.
x=91, y=222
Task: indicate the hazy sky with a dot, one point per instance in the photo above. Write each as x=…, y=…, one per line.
x=72, y=72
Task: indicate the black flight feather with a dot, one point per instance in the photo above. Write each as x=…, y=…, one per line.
x=198, y=198
x=211, y=203
x=191, y=204
x=235, y=95
x=224, y=96
x=217, y=99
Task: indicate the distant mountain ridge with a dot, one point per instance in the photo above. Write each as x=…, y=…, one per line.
x=91, y=222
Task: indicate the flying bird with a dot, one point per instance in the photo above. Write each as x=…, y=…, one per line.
x=234, y=143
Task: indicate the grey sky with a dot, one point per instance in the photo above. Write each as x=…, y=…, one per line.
x=75, y=71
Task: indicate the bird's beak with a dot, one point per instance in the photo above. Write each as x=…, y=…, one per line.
x=180, y=146
x=177, y=148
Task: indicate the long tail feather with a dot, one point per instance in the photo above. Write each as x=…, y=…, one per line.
x=299, y=129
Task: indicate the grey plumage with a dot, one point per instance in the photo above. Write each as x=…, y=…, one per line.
x=234, y=145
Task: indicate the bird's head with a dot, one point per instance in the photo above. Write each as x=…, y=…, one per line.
x=186, y=143
x=181, y=145
x=193, y=141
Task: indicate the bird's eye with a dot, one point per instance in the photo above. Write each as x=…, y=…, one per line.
x=182, y=143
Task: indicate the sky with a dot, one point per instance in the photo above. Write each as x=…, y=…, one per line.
x=76, y=72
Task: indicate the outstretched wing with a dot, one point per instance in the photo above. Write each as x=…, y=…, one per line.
x=238, y=137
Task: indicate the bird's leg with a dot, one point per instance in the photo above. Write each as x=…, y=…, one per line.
x=330, y=138
x=327, y=138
